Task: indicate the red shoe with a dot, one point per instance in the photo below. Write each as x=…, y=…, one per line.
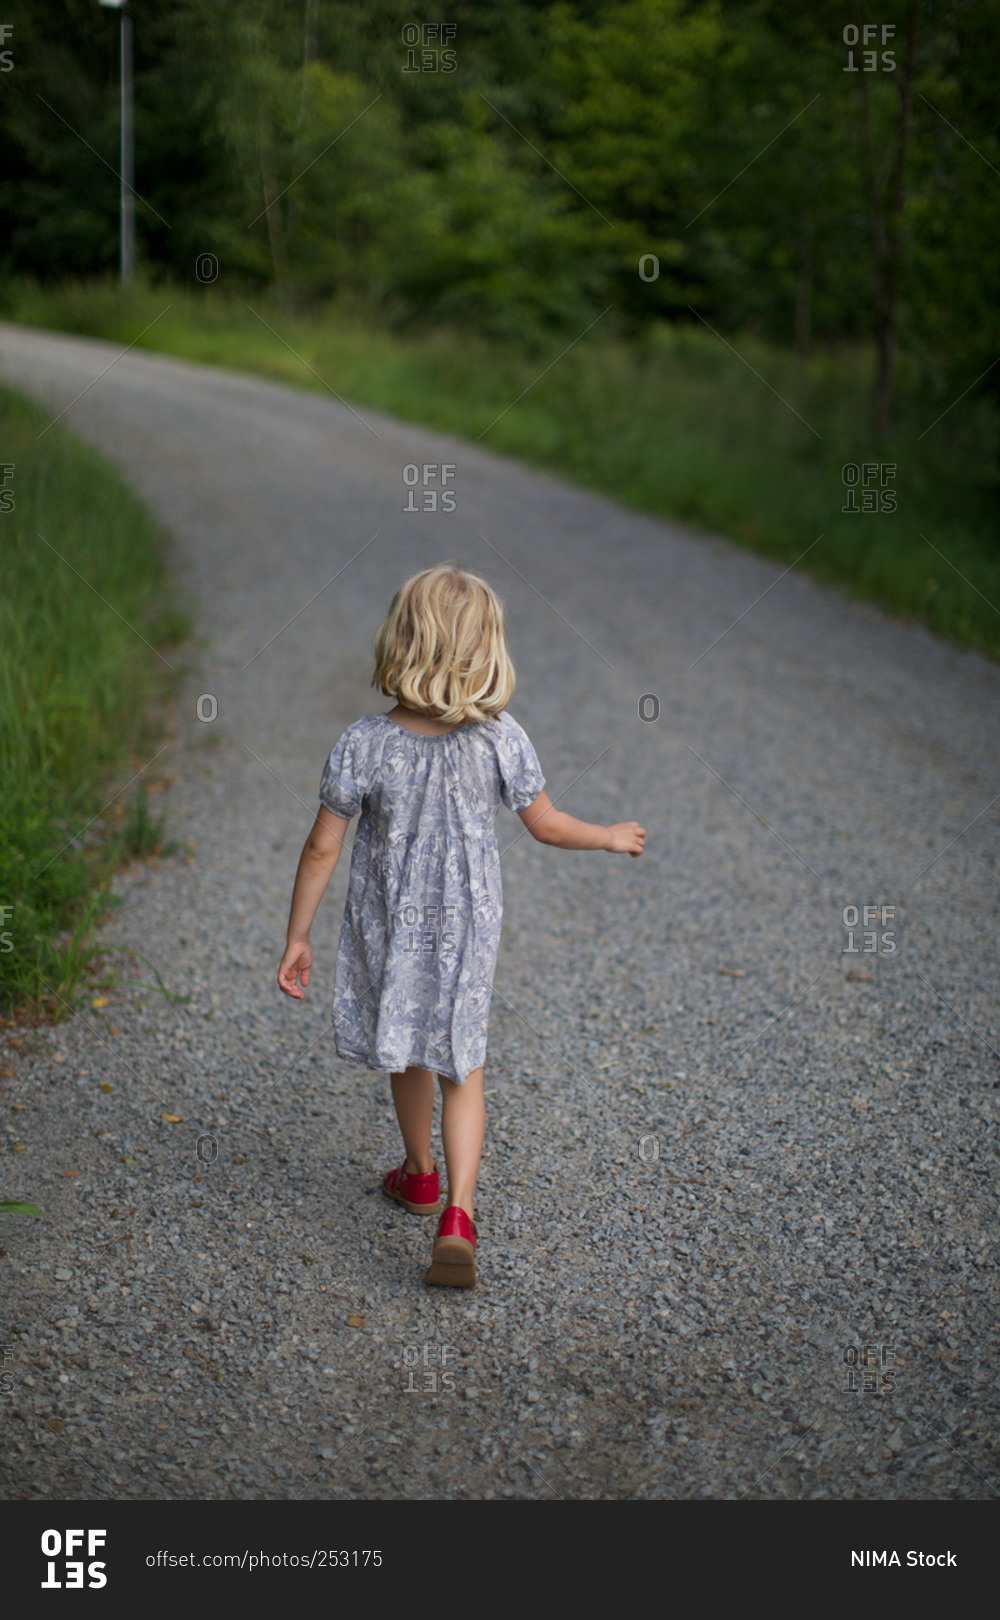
x=421, y=1195
x=452, y=1260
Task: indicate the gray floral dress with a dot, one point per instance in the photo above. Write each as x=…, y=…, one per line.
x=421, y=929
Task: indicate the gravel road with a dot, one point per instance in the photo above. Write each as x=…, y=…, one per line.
x=724, y=1154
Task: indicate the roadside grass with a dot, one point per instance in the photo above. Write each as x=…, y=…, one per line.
x=728, y=434
x=85, y=623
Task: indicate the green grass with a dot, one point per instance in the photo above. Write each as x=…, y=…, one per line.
x=81, y=701
x=675, y=423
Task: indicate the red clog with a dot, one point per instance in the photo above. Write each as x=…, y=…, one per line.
x=421, y=1195
x=453, y=1258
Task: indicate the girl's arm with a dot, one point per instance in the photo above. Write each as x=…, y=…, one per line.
x=552, y=826
x=317, y=864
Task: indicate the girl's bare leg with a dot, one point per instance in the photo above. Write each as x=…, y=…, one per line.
x=413, y=1095
x=463, y=1126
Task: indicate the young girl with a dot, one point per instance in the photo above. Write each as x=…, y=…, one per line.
x=421, y=928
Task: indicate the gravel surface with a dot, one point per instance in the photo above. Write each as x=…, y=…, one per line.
x=723, y=1156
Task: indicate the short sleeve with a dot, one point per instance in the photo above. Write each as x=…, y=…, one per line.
x=521, y=779
x=345, y=775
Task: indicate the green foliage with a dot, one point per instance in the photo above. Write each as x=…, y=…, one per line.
x=82, y=597
x=628, y=136
x=513, y=189
x=481, y=251
x=142, y=833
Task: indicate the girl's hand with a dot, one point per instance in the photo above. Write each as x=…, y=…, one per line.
x=295, y=965
x=626, y=838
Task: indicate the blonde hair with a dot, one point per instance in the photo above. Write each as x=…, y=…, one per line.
x=442, y=647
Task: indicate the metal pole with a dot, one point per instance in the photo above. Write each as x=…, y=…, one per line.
x=127, y=156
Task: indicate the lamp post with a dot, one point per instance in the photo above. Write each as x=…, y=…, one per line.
x=127, y=164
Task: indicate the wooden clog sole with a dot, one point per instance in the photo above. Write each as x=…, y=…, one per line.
x=452, y=1264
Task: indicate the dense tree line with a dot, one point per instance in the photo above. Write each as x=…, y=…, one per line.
x=799, y=170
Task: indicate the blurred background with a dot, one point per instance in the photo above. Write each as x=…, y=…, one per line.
x=504, y=168
x=646, y=181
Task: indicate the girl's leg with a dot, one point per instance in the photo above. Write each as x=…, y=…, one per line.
x=463, y=1126
x=413, y=1095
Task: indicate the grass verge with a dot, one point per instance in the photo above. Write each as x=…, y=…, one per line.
x=734, y=437
x=82, y=693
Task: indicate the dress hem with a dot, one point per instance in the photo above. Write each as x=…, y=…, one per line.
x=363, y=1061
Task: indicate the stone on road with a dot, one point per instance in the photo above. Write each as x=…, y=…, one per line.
x=737, y=1210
